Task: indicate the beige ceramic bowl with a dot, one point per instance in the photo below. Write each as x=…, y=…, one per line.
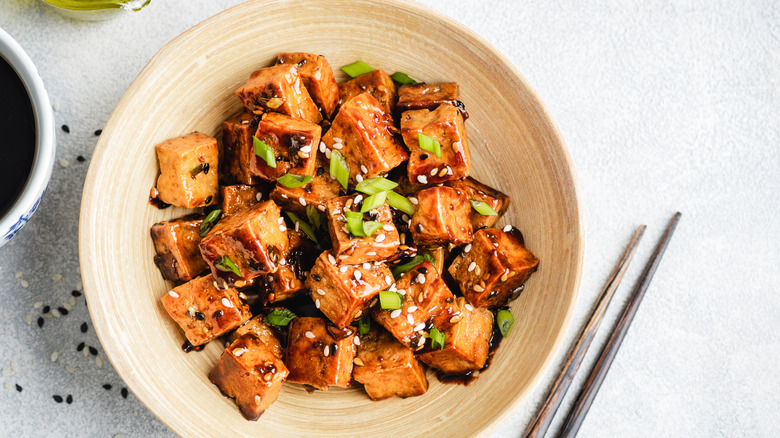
x=189, y=86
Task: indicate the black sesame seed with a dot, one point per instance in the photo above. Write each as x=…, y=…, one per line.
x=76, y=293
x=124, y=392
x=63, y=310
x=46, y=309
x=423, y=270
x=98, y=132
x=423, y=156
x=57, y=398
x=107, y=387
x=84, y=327
x=66, y=128
x=69, y=399
x=18, y=388
x=81, y=159
x=316, y=277
x=419, y=228
x=93, y=351
x=217, y=314
x=208, y=200
x=320, y=171
x=206, y=168
x=40, y=322
x=200, y=316
x=80, y=347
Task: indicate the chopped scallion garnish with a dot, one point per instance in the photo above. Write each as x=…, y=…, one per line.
x=364, y=325
x=306, y=228
x=292, y=180
x=429, y=144
x=339, y=168
x=389, y=300
x=437, y=338
x=315, y=219
x=209, y=221
x=279, y=317
x=265, y=152
x=225, y=264
x=369, y=227
x=400, y=202
x=372, y=186
x=482, y=208
x=355, y=223
x=408, y=266
x=196, y=170
x=356, y=69
x=402, y=78
x=505, y=321
x=373, y=201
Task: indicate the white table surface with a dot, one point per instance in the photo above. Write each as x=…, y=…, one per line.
x=665, y=106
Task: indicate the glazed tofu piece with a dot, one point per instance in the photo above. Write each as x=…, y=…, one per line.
x=444, y=125
x=439, y=255
x=363, y=133
x=238, y=197
x=441, y=217
x=475, y=190
x=378, y=83
x=176, y=244
x=294, y=142
x=429, y=96
x=205, y=311
x=342, y=292
x=316, y=193
x=316, y=357
x=249, y=371
x=238, y=149
x=257, y=327
x=427, y=302
x=493, y=266
x=289, y=279
x=387, y=368
x=466, y=344
x=317, y=77
x=188, y=170
x=252, y=240
x=278, y=89
x=351, y=249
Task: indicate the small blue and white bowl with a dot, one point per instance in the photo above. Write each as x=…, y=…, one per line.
x=32, y=193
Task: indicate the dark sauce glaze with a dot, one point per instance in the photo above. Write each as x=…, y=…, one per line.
x=467, y=378
x=188, y=347
x=154, y=199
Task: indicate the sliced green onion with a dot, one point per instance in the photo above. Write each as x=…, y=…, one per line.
x=429, y=144
x=355, y=223
x=279, y=317
x=482, y=208
x=315, y=219
x=505, y=321
x=356, y=69
x=364, y=325
x=196, y=170
x=209, y=221
x=372, y=186
x=303, y=226
x=369, y=227
x=373, y=201
x=292, y=180
x=437, y=338
x=400, y=202
x=389, y=300
x=225, y=264
x=402, y=78
x=408, y=266
x=265, y=152
x=339, y=168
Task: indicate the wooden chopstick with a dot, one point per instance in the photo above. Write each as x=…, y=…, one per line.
x=541, y=422
x=591, y=386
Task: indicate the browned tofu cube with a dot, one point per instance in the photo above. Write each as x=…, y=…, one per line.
x=441, y=217
x=315, y=357
x=342, y=292
x=317, y=77
x=294, y=142
x=262, y=331
x=176, y=244
x=378, y=83
x=427, y=302
x=278, y=89
x=466, y=344
x=439, y=255
x=253, y=240
x=429, y=96
x=386, y=368
x=495, y=264
x=351, y=249
x=476, y=191
x=205, y=311
x=363, y=133
x=289, y=279
x=238, y=148
x=238, y=197
x=445, y=125
x=249, y=371
x=188, y=170
x=316, y=193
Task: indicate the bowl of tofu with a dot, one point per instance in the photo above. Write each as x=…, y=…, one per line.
x=273, y=244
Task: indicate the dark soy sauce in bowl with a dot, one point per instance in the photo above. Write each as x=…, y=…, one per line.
x=17, y=136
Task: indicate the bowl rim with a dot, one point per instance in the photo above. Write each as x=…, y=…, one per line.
x=45, y=145
x=578, y=243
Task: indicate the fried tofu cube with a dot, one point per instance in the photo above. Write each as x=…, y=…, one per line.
x=188, y=170
x=495, y=264
x=238, y=148
x=289, y=279
x=317, y=77
x=444, y=125
x=427, y=302
x=387, y=368
x=253, y=240
x=476, y=191
x=176, y=244
x=316, y=193
x=262, y=331
x=363, y=133
x=278, y=89
x=238, y=197
x=429, y=96
x=294, y=142
x=378, y=83
x=249, y=371
x=351, y=249
x=315, y=357
x=441, y=217
x=205, y=311
x=342, y=292
x=466, y=344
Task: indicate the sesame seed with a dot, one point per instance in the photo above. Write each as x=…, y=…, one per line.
x=357, y=362
x=356, y=340
x=331, y=259
x=472, y=266
x=258, y=400
x=284, y=196
x=72, y=301
x=283, y=261
x=93, y=351
x=57, y=398
x=28, y=318
x=343, y=269
x=434, y=170
x=456, y=318
x=421, y=278
x=326, y=351
x=388, y=279
x=124, y=392
x=395, y=313
x=306, y=149
x=56, y=313
x=410, y=319
x=359, y=178
x=320, y=291
x=323, y=147
x=54, y=356
x=363, y=168
x=411, y=309
x=357, y=275
x=7, y=372
x=414, y=201
x=337, y=140
x=317, y=303
x=507, y=228
x=380, y=238
x=419, y=327
x=19, y=274
x=25, y=284
x=303, y=202
x=469, y=307
x=63, y=162
x=237, y=352
x=67, y=307
x=18, y=388
x=258, y=196
x=358, y=198
x=337, y=146
x=84, y=327
x=226, y=302
x=467, y=249
x=309, y=334
x=69, y=369
x=107, y=387
x=422, y=179
x=99, y=362
x=38, y=305
x=371, y=253
x=280, y=220
x=444, y=171
x=327, y=153
x=401, y=291
x=8, y=386
x=282, y=228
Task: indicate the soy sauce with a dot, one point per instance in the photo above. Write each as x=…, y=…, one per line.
x=17, y=124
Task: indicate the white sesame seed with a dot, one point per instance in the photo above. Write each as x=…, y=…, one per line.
x=401, y=291
x=472, y=265
x=25, y=284
x=395, y=313
x=38, y=305
x=280, y=220
x=343, y=269
x=356, y=340
x=56, y=313
x=421, y=278
x=326, y=351
x=327, y=153
x=358, y=198
x=309, y=334
x=495, y=244
x=321, y=207
x=478, y=288
x=421, y=340
x=337, y=140
x=323, y=146
x=297, y=226
x=419, y=327
x=226, y=302
x=306, y=149
x=337, y=146
x=371, y=253
x=317, y=303
x=469, y=307
x=320, y=291
x=19, y=274
x=57, y=277
x=411, y=309
x=363, y=168
x=282, y=228
x=507, y=228
x=8, y=386
x=380, y=238
x=357, y=275
x=405, y=216
x=387, y=227
x=99, y=361
x=303, y=202
x=449, y=170
x=28, y=318
x=359, y=178
x=366, y=266
x=258, y=196
x=422, y=179
x=467, y=249
x=434, y=171
x=72, y=301
x=410, y=319
x=283, y=261
x=69, y=369
x=237, y=352
x=284, y=196
x=413, y=200
x=173, y=294
x=67, y=306
x=331, y=259
x=388, y=279
x=63, y=162
x=258, y=400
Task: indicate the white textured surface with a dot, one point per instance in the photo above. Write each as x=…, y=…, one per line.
x=665, y=106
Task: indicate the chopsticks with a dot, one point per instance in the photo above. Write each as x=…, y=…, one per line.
x=538, y=427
